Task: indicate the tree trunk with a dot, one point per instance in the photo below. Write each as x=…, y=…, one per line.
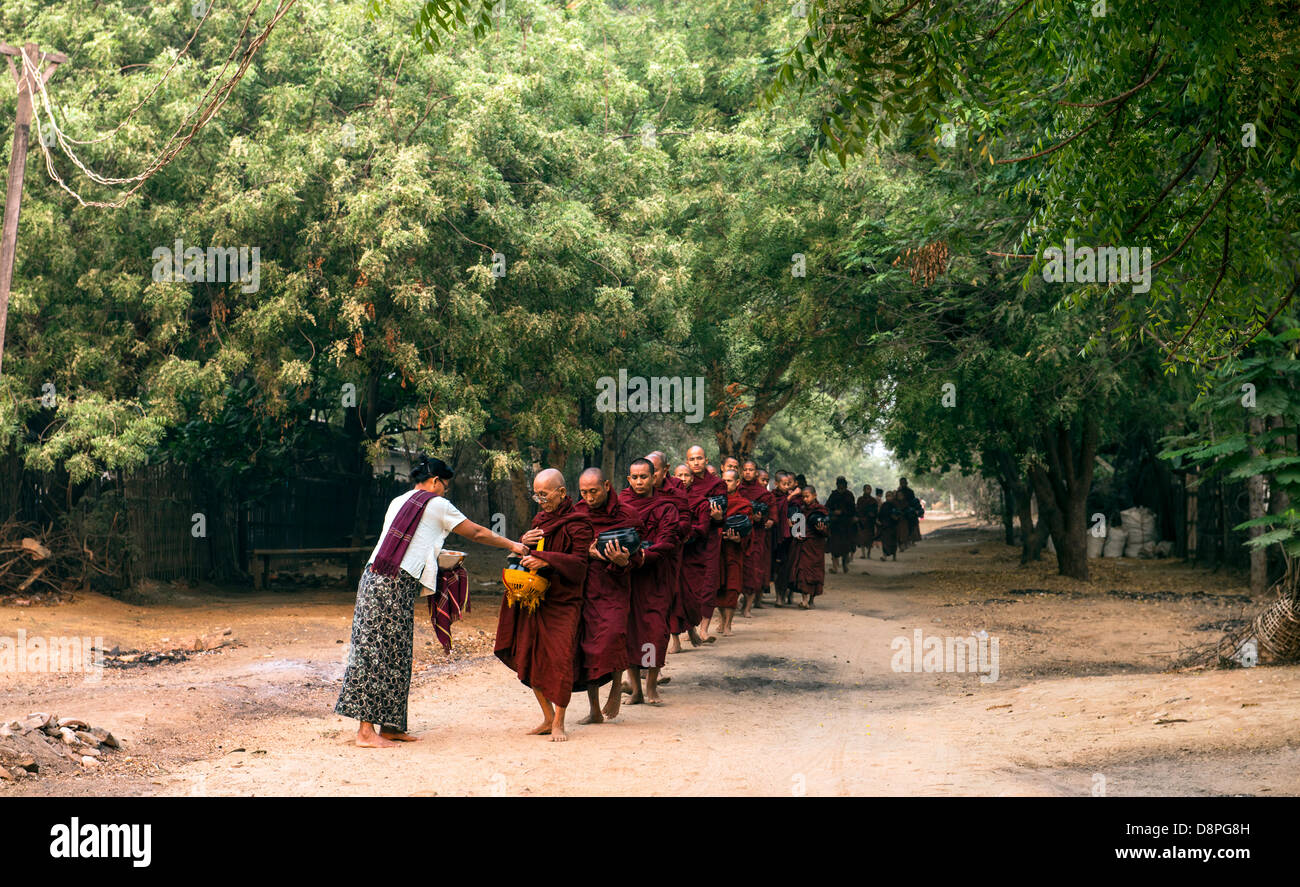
x=1255, y=488
x=608, y=444
x=358, y=425
x=1008, y=513
x=1065, y=483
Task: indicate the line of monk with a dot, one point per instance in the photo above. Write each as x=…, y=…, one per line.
x=711, y=542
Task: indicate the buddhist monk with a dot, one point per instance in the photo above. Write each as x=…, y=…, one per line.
x=888, y=521
x=731, y=579
x=791, y=498
x=607, y=602
x=700, y=559
x=652, y=583
x=542, y=646
x=683, y=474
x=758, y=559
x=842, y=509
x=867, y=508
x=810, y=571
x=780, y=534
x=684, y=613
x=912, y=511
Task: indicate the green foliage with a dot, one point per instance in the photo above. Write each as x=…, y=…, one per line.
x=1169, y=126
x=1264, y=386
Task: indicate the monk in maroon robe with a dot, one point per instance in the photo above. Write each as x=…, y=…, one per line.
x=810, y=568
x=781, y=540
x=758, y=557
x=652, y=583
x=734, y=547
x=700, y=559
x=684, y=613
x=542, y=646
x=607, y=603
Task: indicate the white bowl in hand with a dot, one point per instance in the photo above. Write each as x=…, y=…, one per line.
x=450, y=560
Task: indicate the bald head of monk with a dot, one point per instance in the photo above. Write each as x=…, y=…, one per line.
x=548, y=489
x=749, y=471
x=763, y=477
x=731, y=463
x=659, y=463
x=731, y=477
x=593, y=487
x=696, y=460
x=683, y=473
x=640, y=477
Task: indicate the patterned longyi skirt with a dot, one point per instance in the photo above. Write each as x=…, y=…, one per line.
x=377, y=679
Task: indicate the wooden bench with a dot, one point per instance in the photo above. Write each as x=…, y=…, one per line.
x=356, y=558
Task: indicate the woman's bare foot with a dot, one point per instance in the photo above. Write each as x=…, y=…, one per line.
x=399, y=735
x=373, y=740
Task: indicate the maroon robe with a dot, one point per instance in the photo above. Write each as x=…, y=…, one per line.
x=653, y=583
x=685, y=611
x=809, y=571
x=603, y=641
x=700, y=567
x=542, y=646
x=732, y=578
x=758, y=558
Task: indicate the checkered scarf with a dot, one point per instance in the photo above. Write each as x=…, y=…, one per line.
x=394, y=546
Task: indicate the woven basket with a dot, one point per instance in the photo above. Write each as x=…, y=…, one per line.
x=1277, y=630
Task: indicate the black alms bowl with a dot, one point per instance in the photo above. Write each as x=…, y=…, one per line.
x=740, y=523
x=627, y=537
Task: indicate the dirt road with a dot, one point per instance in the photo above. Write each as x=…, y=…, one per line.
x=797, y=702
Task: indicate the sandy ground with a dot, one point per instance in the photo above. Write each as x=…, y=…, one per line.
x=796, y=702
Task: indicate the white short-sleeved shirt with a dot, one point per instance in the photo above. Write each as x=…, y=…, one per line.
x=438, y=520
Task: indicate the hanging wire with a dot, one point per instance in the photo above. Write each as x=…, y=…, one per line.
x=214, y=98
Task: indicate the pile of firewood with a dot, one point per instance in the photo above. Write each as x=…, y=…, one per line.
x=34, y=561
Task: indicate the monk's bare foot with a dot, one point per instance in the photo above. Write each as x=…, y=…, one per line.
x=558, y=734
x=540, y=730
x=726, y=632
x=594, y=718
x=652, y=697
x=694, y=634
x=637, y=699
x=710, y=639
x=399, y=736
x=611, y=708
x=674, y=646
x=374, y=740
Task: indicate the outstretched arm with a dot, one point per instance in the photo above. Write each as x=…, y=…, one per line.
x=475, y=533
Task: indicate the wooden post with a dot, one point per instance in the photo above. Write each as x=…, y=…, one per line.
x=17, y=165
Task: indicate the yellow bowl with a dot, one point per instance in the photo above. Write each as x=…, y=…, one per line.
x=524, y=588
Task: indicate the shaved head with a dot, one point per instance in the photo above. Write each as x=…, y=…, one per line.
x=545, y=486
x=696, y=460
x=593, y=488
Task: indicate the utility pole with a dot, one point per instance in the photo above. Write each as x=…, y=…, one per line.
x=18, y=163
